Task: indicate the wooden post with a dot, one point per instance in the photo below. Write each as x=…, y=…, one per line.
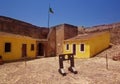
x=106, y=62
x=25, y=61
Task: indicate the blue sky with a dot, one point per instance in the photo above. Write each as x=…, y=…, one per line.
x=76, y=12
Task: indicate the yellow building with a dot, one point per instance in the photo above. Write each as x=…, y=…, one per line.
x=87, y=45
x=15, y=47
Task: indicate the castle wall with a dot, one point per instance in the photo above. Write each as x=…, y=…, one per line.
x=63, y=32
x=22, y=28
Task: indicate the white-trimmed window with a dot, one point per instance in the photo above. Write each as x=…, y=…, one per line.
x=67, y=46
x=82, y=47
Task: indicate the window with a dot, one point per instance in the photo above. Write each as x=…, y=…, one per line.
x=67, y=46
x=7, y=47
x=81, y=47
x=32, y=47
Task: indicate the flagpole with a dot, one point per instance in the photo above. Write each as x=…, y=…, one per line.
x=48, y=16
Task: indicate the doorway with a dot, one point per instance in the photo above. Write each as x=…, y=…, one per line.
x=24, y=50
x=40, y=49
x=74, y=49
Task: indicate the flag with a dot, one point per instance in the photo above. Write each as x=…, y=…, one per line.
x=50, y=10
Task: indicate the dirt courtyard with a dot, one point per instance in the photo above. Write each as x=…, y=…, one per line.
x=45, y=71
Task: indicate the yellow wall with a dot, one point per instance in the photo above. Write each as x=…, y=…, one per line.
x=79, y=54
x=99, y=43
x=93, y=45
x=16, y=47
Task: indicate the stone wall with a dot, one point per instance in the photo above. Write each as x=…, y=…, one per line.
x=51, y=47
x=102, y=27
x=63, y=32
x=70, y=31
x=22, y=28
x=59, y=38
x=115, y=35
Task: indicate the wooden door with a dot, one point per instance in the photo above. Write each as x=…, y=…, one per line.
x=40, y=49
x=24, y=50
x=74, y=49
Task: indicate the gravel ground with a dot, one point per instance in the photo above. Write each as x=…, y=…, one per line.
x=113, y=51
x=45, y=71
